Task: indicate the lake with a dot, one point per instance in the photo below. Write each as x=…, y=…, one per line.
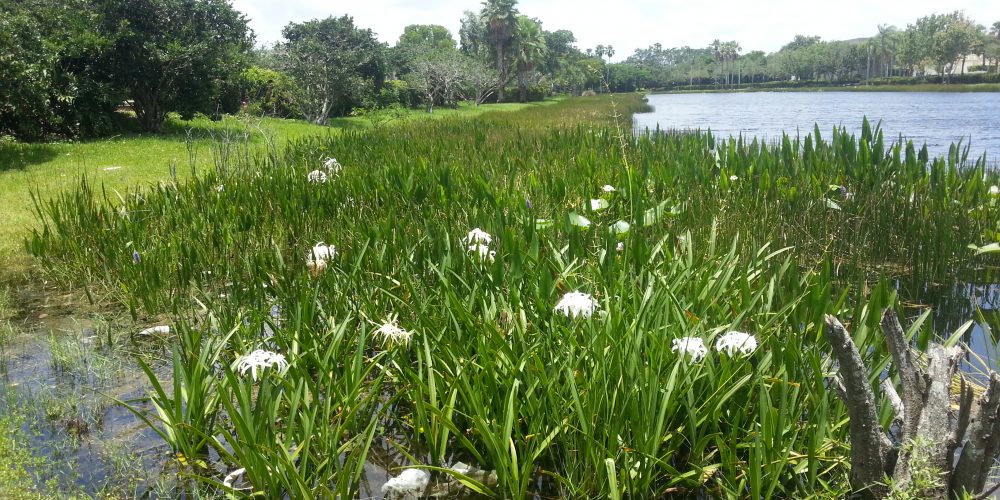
x=935, y=118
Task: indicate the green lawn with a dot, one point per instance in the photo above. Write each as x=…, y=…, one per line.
x=122, y=162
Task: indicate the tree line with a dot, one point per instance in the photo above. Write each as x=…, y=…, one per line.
x=938, y=44
x=69, y=68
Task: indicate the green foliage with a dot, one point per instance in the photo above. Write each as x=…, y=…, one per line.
x=48, y=85
x=335, y=65
x=722, y=235
x=268, y=93
x=924, y=476
x=173, y=55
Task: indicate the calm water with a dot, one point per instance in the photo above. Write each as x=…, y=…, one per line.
x=935, y=118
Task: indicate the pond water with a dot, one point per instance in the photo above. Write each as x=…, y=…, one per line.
x=935, y=118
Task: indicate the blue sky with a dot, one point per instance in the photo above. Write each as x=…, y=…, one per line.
x=764, y=25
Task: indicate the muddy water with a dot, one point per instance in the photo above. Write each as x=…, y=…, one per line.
x=59, y=377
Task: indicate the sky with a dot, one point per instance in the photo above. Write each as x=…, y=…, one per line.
x=630, y=24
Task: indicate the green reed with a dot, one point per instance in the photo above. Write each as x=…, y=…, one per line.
x=715, y=235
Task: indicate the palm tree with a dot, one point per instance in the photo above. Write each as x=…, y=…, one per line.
x=530, y=50
x=500, y=17
x=887, y=41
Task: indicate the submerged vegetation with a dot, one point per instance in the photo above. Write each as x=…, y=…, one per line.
x=572, y=310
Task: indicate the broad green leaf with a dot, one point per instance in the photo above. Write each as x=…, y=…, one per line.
x=578, y=220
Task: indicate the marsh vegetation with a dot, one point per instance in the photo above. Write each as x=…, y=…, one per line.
x=529, y=303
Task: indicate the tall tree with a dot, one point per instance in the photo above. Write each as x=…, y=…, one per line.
x=500, y=19
x=529, y=52
x=173, y=55
x=334, y=63
x=47, y=75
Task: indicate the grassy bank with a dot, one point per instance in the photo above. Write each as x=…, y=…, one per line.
x=922, y=87
x=539, y=294
x=122, y=162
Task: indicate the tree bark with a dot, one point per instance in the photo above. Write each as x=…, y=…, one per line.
x=980, y=450
x=868, y=448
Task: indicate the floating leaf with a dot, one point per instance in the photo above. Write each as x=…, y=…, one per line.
x=992, y=247
x=598, y=204
x=578, y=220
x=653, y=215
x=620, y=227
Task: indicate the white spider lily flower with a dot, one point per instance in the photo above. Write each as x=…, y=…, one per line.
x=332, y=166
x=483, y=252
x=733, y=343
x=734, y=178
x=317, y=176
x=994, y=190
x=391, y=333
x=608, y=188
x=409, y=484
x=260, y=360
x=322, y=251
x=320, y=255
x=478, y=236
x=575, y=304
x=692, y=347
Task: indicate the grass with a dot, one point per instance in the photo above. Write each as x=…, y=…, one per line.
x=120, y=163
x=700, y=237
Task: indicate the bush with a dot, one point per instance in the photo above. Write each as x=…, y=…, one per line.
x=267, y=92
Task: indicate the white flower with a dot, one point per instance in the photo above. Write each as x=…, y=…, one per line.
x=392, y=333
x=690, y=346
x=220, y=188
x=736, y=342
x=317, y=176
x=994, y=190
x=608, y=188
x=409, y=484
x=620, y=247
x=322, y=251
x=260, y=360
x=332, y=166
x=320, y=255
x=478, y=236
x=576, y=304
x=734, y=178
x=483, y=252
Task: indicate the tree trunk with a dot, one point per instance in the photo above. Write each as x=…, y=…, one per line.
x=147, y=109
x=924, y=414
x=868, y=452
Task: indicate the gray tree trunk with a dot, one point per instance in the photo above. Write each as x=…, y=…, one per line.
x=924, y=413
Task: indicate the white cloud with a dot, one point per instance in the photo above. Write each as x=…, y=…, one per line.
x=764, y=25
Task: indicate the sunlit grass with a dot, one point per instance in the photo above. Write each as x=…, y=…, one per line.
x=124, y=162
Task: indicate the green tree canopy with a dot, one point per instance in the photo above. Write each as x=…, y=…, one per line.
x=173, y=55
x=335, y=64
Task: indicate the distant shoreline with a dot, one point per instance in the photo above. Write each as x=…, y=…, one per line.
x=920, y=87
